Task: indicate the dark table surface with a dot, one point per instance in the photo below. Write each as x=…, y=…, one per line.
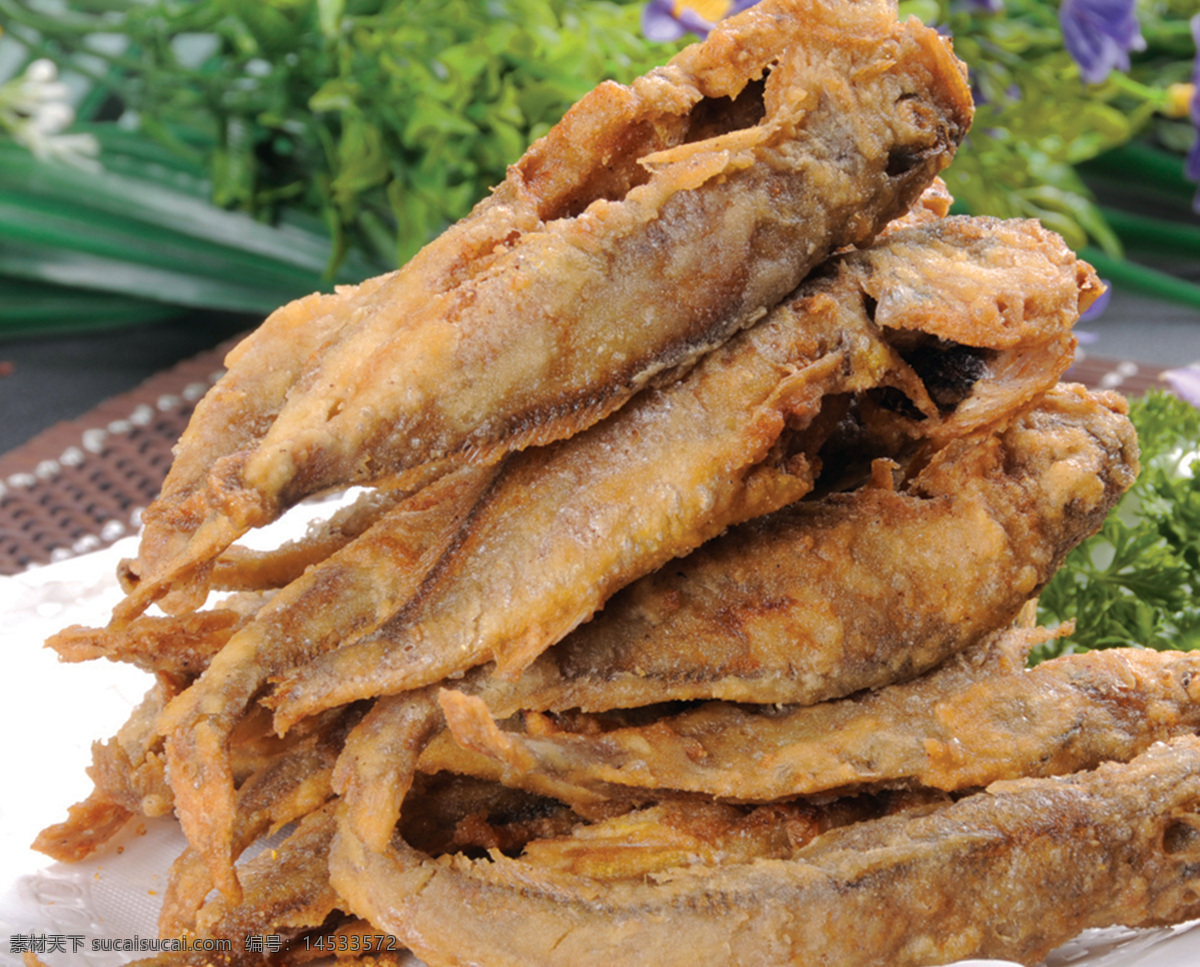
x=46, y=380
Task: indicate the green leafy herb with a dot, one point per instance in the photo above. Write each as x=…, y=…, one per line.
x=367, y=126
x=1137, y=581
x=387, y=119
x=1044, y=141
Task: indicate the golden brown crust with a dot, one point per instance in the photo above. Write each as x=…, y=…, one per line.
x=966, y=724
x=349, y=594
x=182, y=645
x=849, y=591
x=588, y=515
x=983, y=877
x=899, y=474
x=543, y=311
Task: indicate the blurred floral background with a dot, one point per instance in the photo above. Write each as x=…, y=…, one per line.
x=232, y=154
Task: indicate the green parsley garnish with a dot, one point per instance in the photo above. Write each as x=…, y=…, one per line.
x=1135, y=582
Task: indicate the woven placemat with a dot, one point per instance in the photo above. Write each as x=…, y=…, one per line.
x=83, y=484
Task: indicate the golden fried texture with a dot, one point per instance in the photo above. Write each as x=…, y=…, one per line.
x=563, y=527
x=181, y=645
x=895, y=579
x=796, y=128
x=710, y=402
x=286, y=788
x=567, y=525
x=650, y=841
x=972, y=721
x=350, y=593
x=243, y=569
x=286, y=887
x=1010, y=872
x=128, y=772
x=851, y=590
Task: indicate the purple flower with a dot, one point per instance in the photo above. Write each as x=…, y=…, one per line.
x=1099, y=34
x=1192, y=165
x=1185, y=382
x=1096, y=309
x=667, y=20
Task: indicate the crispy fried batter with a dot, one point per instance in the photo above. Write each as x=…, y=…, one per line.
x=260, y=371
x=349, y=594
x=376, y=769
x=286, y=888
x=243, y=569
x=849, y=591
x=288, y=787
x=1045, y=482
x=646, y=842
x=971, y=722
x=182, y=645
x=565, y=526
x=794, y=129
x=129, y=777
x=1010, y=873
x=831, y=499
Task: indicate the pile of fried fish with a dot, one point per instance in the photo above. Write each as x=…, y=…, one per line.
x=705, y=476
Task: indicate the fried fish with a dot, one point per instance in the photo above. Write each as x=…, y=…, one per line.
x=864, y=589
x=972, y=721
x=796, y=128
x=743, y=434
x=1010, y=872
x=851, y=590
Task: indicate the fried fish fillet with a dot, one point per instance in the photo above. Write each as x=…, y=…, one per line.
x=796, y=128
x=973, y=721
x=828, y=597
x=1010, y=872
x=851, y=590
x=566, y=526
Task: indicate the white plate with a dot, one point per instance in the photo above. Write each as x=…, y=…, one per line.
x=51, y=714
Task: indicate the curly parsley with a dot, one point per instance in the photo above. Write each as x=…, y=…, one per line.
x=1136, y=581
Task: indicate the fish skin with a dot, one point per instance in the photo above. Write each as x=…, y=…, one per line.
x=259, y=371
x=129, y=779
x=286, y=789
x=287, y=887
x=376, y=769
x=564, y=526
x=968, y=723
x=848, y=591
x=1010, y=872
x=541, y=312
x=1047, y=480
x=350, y=593
x=567, y=525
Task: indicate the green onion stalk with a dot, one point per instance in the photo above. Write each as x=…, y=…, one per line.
x=164, y=154
x=230, y=155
